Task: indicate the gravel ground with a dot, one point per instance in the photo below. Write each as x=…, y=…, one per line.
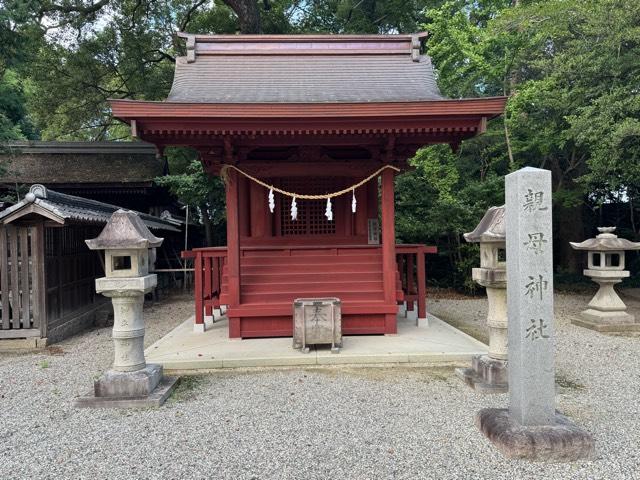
x=356, y=423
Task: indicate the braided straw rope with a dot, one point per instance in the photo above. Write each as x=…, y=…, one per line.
x=224, y=169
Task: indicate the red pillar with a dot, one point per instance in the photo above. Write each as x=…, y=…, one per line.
x=233, y=250
x=410, y=286
x=207, y=286
x=389, y=247
x=199, y=291
x=422, y=300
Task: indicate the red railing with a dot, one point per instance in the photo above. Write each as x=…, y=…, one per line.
x=208, y=264
x=207, y=279
x=412, y=267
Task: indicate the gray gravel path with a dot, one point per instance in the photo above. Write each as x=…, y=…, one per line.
x=355, y=423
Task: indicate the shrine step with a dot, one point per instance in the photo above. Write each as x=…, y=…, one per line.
x=286, y=309
x=275, y=297
x=373, y=259
x=312, y=286
x=262, y=277
x=286, y=268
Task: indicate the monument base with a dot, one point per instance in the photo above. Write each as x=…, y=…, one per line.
x=486, y=375
x=613, y=322
x=561, y=442
x=142, y=388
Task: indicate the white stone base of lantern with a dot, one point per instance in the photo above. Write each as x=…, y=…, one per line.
x=143, y=388
x=607, y=312
x=131, y=382
x=488, y=373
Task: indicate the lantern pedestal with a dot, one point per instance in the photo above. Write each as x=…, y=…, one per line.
x=488, y=373
x=606, y=312
x=143, y=388
x=127, y=244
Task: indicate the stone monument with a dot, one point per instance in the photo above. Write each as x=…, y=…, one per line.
x=488, y=373
x=317, y=321
x=531, y=428
x=131, y=382
x=606, y=312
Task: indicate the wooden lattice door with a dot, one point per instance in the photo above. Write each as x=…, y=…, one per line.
x=311, y=219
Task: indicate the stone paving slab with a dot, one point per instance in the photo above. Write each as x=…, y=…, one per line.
x=434, y=341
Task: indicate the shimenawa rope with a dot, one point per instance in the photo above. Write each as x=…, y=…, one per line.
x=223, y=174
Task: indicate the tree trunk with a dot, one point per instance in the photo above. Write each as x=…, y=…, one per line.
x=569, y=227
x=208, y=226
x=248, y=15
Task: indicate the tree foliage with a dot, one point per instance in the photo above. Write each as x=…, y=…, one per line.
x=569, y=67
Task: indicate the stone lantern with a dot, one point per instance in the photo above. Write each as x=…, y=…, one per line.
x=606, y=312
x=488, y=373
x=127, y=245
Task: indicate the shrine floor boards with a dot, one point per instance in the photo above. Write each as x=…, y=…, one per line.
x=434, y=341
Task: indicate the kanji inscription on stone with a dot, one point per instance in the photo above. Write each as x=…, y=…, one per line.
x=530, y=296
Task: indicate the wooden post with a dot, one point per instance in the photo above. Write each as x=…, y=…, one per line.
x=410, y=284
x=39, y=281
x=422, y=293
x=233, y=250
x=199, y=292
x=208, y=291
x=25, y=296
x=15, y=285
x=217, y=267
x=388, y=247
x=4, y=278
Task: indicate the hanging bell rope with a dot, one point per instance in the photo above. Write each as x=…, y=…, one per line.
x=271, y=188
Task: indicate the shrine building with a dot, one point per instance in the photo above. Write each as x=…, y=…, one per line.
x=308, y=132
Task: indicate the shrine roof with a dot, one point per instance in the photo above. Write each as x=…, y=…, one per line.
x=328, y=85
x=254, y=69
x=62, y=208
x=51, y=163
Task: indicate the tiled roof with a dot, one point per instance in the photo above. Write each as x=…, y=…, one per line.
x=303, y=69
x=68, y=207
x=304, y=79
x=80, y=162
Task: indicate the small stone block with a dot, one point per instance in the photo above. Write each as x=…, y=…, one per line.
x=155, y=399
x=486, y=375
x=199, y=328
x=128, y=384
x=562, y=441
x=606, y=327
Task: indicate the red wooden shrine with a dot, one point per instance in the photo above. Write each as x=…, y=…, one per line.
x=308, y=114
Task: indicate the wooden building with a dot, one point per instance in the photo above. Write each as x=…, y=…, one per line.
x=120, y=173
x=47, y=272
x=307, y=117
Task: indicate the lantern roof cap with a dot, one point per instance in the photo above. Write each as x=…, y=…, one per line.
x=124, y=230
x=491, y=228
x=606, y=241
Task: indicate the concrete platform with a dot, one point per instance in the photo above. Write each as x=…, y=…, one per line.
x=434, y=341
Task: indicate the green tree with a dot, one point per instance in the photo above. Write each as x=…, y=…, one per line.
x=196, y=189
